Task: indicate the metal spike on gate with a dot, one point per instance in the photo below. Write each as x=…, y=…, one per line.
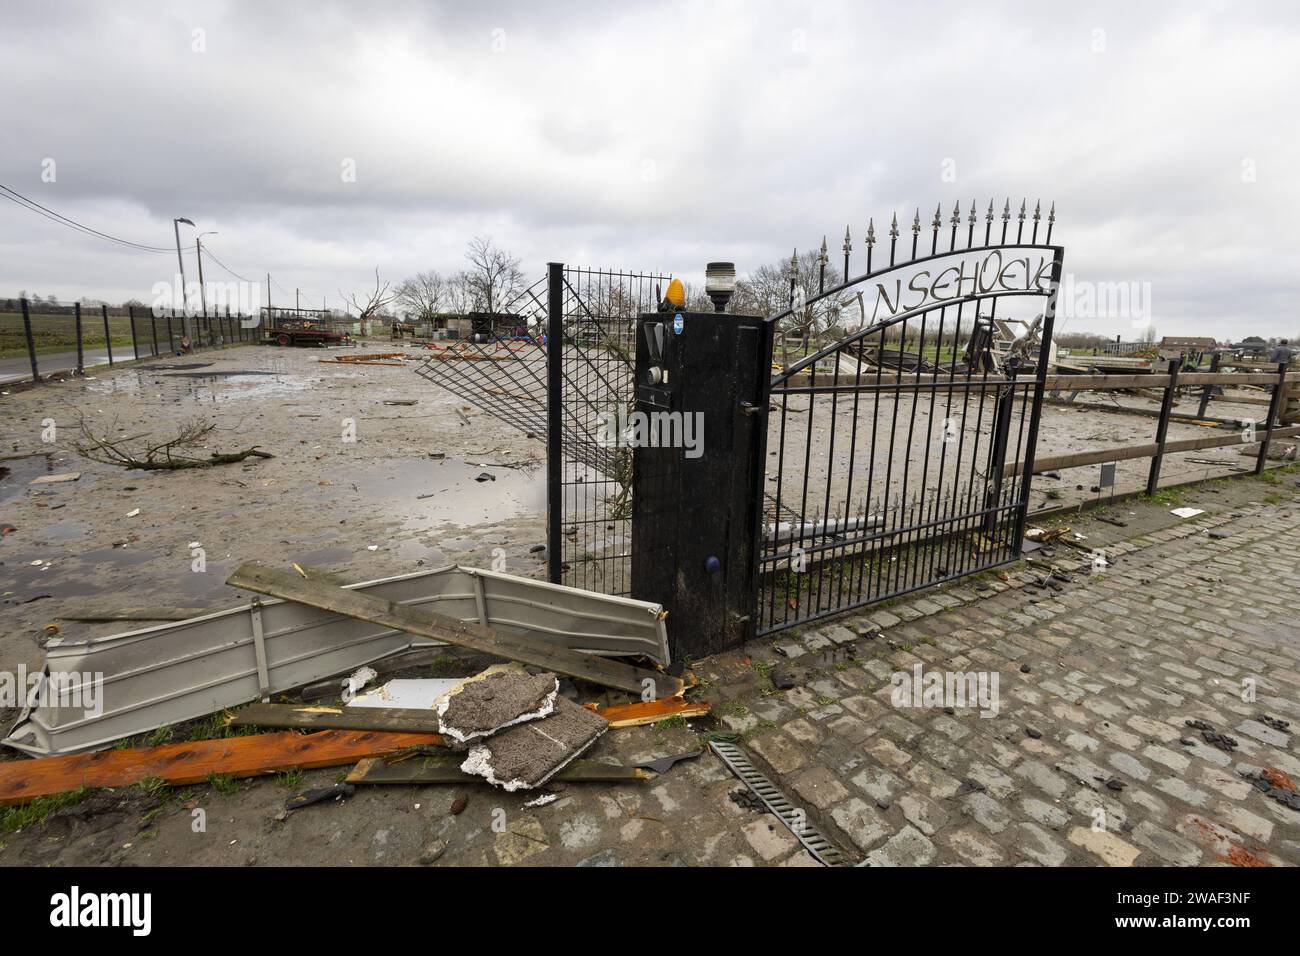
x=822, y=849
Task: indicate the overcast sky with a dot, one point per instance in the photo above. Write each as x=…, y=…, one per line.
x=654, y=136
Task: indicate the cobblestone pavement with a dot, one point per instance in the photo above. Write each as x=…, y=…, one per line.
x=1089, y=760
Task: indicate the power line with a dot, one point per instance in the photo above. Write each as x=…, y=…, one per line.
x=31, y=205
x=210, y=255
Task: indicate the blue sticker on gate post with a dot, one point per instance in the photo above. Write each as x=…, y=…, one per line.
x=678, y=324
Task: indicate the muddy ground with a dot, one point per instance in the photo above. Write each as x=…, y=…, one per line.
x=352, y=507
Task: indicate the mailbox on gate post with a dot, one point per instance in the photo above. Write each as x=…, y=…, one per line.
x=696, y=432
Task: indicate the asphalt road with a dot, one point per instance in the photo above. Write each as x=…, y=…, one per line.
x=19, y=369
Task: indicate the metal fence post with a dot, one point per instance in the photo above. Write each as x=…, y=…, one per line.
x=1003, y=411
x=171, y=339
x=1162, y=427
x=1273, y=403
x=108, y=336
x=81, y=360
x=1047, y=330
x=31, y=343
x=153, y=331
x=1209, y=389
x=554, y=416
x=135, y=344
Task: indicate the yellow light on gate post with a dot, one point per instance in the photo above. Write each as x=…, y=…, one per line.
x=676, y=294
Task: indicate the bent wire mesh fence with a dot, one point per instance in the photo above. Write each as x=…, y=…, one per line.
x=582, y=319
x=885, y=449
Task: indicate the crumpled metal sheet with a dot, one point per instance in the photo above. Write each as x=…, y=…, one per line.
x=188, y=669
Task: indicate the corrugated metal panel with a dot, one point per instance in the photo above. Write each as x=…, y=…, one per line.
x=188, y=669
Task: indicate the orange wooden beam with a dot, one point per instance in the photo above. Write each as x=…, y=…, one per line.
x=196, y=761
x=650, y=711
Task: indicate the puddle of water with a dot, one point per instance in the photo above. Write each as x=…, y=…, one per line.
x=15, y=482
x=430, y=493
x=207, y=387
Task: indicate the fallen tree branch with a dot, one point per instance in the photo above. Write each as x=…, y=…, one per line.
x=160, y=455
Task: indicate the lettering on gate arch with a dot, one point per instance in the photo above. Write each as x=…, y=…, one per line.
x=961, y=275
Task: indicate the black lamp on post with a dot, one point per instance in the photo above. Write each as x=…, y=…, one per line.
x=720, y=283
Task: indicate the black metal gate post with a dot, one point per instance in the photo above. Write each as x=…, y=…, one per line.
x=108, y=336
x=1036, y=411
x=135, y=342
x=153, y=331
x=31, y=343
x=81, y=359
x=1273, y=404
x=1002, y=413
x=171, y=338
x=697, y=445
x=554, y=418
x=1208, y=392
x=1162, y=427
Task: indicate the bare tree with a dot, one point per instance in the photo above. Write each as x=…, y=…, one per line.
x=371, y=304
x=493, y=277
x=422, y=294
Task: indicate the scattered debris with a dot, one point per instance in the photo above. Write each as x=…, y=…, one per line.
x=542, y=800
x=422, y=622
x=406, y=693
x=318, y=717
x=335, y=791
x=191, y=668
x=1277, y=723
x=56, y=479
x=664, y=764
x=1042, y=535
x=444, y=768
x=359, y=679
x=433, y=852
x=528, y=755
x=502, y=696
x=748, y=799
x=1187, y=512
x=1274, y=783
x=650, y=711
x=1213, y=737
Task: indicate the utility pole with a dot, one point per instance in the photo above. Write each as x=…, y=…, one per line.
x=185, y=312
x=297, y=305
x=198, y=251
x=269, y=323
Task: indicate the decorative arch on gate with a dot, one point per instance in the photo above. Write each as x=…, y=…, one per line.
x=888, y=427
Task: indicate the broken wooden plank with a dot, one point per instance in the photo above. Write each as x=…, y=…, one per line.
x=650, y=711
x=319, y=717
x=196, y=761
x=447, y=770
x=255, y=576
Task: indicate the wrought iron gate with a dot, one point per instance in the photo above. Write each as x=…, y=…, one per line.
x=885, y=449
x=558, y=383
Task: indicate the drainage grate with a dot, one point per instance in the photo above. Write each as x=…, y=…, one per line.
x=816, y=844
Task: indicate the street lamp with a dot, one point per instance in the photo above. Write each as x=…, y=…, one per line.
x=198, y=251
x=185, y=312
x=720, y=283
